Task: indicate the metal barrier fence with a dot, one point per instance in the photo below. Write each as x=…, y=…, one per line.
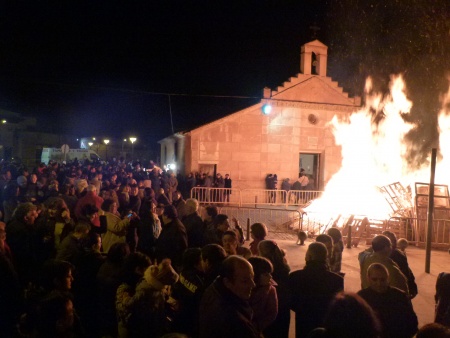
x=415, y=230
x=276, y=220
x=254, y=197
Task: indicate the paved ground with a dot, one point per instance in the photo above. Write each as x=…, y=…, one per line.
x=423, y=303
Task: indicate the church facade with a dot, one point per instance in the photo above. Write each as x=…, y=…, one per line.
x=248, y=145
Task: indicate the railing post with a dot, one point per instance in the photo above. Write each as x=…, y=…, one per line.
x=349, y=237
x=248, y=229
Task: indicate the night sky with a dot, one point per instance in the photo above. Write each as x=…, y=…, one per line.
x=104, y=68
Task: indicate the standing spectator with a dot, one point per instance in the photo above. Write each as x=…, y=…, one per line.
x=187, y=293
x=148, y=229
x=214, y=234
x=173, y=186
x=190, y=183
x=264, y=300
x=442, y=298
x=24, y=242
x=312, y=290
x=212, y=258
x=90, y=198
x=258, y=232
x=10, y=200
x=133, y=270
x=179, y=203
x=193, y=223
x=143, y=312
x=172, y=241
x=224, y=309
x=10, y=292
x=270, y=250
x=219, y=182
x=338, y=248
x=392, y=305
x=117, y=227
x=285, y=186
x=349, y=316
x=381, y=246
x=400, y=258
x=231, y=245
x=227, y=186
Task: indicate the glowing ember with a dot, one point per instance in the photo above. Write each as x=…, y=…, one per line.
x=374, y=152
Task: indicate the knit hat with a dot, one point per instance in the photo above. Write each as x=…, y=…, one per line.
x=160, y=275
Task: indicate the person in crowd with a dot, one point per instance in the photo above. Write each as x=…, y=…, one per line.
x=172, y=241
x=193, y=223
x=133, y=271
x=258, y=232
x=148, y=305
x=173, y=186
x=108, y=280
x=180, y=204
x=92, y=199
x=71, y=246
x=162, y=198
x=68, y=195
x=219, y=183
x=10, y=200
x=10, y=292
x=349, y=316
x=270, y=250
x=212, y=258
x=24, y=242
x=87, y=264
x=227, y=185
x=263, y=300
x=338, y=248
x=231, y=245
x=381, y=246
x=312, y=289
x=303, y=179
x=57, y=317
x=116, y=227
x=393, y=306
x=402, y=261
x=148, y=229
x=214, y=235
x=328, y=241
x=402, y=244
x=285, y=186
x=442, y=298
x=209, y=216
x=187, y=293
x=53, y=226
x=224, y=308
x=31, y=194
x=134, y=201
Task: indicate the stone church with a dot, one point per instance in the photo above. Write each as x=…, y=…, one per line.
x=249, y=144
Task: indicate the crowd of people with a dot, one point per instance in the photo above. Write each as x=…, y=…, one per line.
x=95, y=250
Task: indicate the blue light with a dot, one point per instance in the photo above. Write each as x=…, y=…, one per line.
x=266, y=109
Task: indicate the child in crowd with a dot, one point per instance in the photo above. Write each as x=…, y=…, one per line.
x=263, y=300
x=402, y=244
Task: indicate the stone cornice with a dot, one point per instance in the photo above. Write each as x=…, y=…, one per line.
x=310, y=105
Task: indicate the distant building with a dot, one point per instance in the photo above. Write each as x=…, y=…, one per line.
x=21, y=139
x=249, y=145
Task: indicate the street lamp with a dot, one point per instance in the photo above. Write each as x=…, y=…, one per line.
x=106, y=146
x=132, y=140
x=90, y=144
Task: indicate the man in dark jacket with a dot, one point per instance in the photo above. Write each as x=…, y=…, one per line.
x=312, y=290
x=224, y=308
x=172, y=241
x=193, y=223
x=392, y=305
